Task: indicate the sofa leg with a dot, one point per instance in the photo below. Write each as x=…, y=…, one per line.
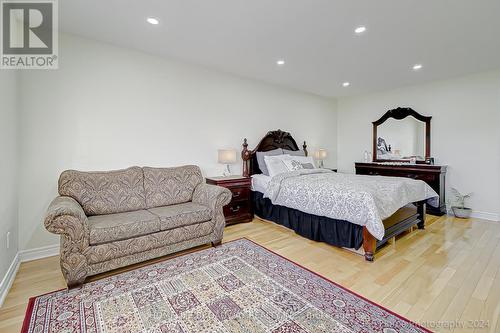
x=74, y=268
x=215, y=244
x=76, y=284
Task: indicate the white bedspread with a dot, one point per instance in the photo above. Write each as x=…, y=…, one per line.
x=363, y=200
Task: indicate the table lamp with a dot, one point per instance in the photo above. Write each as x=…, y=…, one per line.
x=320, y=155
x=227, y=156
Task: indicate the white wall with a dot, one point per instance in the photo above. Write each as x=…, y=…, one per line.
x=465, y=131
x=8, y=168
x=108, y=107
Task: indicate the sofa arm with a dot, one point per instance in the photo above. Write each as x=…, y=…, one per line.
x=215, y=197
x=66, y=217
x=212, y=196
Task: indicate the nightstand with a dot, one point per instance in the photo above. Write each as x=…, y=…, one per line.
x=240, y=207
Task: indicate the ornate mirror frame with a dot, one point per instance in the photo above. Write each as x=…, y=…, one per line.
x=399, y=114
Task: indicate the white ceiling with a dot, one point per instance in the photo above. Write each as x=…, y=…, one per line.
x=315, y=37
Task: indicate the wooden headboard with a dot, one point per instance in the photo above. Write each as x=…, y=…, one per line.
x=272, y=140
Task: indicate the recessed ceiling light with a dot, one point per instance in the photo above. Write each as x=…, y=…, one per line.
x=152, y=20
x=280, y=62
x=346, y=84
x=360, y=30
x=417, y=67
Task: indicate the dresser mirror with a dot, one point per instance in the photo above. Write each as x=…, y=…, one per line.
x=402, y=135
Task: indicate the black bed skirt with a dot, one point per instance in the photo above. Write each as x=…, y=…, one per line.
x=318, y=228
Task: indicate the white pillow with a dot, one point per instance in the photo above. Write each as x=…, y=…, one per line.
x=275, y=164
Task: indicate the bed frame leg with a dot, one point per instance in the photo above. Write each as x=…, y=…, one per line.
x=421, y=214
x=369, y=245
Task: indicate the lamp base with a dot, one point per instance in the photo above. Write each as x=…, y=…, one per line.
x=227, y=171
x=321, y=166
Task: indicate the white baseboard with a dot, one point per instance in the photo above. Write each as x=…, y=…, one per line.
x=23, y=256
x=39, y=253
x=486, y=216
x=8, y=279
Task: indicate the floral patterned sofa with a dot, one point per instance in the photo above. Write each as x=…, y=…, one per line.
x=116, y=218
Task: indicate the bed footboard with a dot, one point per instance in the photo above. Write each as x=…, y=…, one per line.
x=371, y=244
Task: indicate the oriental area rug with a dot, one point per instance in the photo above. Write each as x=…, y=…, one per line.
x=237, y=287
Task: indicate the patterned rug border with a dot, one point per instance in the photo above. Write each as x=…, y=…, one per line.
x=29, y=309
x=31, y=301
x=338, y=285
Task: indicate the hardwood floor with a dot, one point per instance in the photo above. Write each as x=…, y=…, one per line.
x=445, y=275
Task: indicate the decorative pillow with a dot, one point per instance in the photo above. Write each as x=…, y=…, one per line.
x=304, y=160
x=307, y=166
x=275, y=164
x=294, y=152
x=293, y=165
x=262, y=163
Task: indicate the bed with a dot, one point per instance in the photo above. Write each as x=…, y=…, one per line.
x=325, y=206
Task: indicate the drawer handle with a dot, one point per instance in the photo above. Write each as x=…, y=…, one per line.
x=234, y=209
x=236, y=194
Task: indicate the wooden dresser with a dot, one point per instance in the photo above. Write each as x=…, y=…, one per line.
x=434, y=175
x=240, y=207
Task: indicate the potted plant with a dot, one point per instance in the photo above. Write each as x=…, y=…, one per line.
x=459, y=209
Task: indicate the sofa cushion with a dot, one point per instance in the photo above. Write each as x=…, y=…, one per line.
x=106, y=192
x=170, y=186
x=115, y=227
x=181, y=215
x=173, y=240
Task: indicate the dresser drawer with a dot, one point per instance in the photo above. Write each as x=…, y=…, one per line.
x=428, y=178
x=240, y=193
x=236, y=209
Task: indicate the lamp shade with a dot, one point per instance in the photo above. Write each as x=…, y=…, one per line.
x=320, y=154
x=227, y=156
